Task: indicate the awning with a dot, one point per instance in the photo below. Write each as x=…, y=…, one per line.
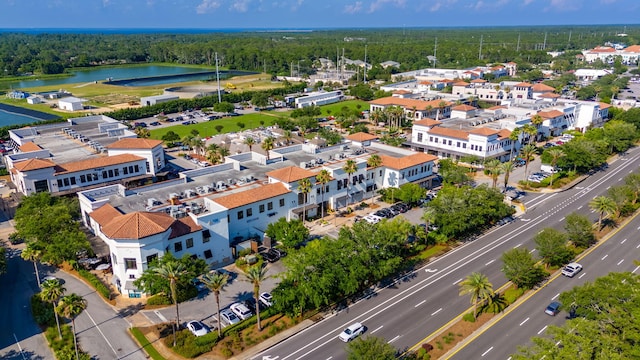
x=304, y=208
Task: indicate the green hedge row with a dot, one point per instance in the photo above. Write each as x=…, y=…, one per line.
x=190, y=346
x=146, y=345
x=96, y=283
x=269, y=312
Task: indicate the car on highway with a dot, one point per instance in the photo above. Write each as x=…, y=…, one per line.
x=266, y=299
x=571, y=269
x=351, y=332
x=197, y=328
x=553, y=309
x=228, y=317
x=241, y=311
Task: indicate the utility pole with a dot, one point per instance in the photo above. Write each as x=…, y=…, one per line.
x=264, y=62
x=435, y=53
x=218, y=79
x=544, y=45
x=364, y=77
x=342, y=67
x=518, y=46
x=480, y=52
x=569, y=42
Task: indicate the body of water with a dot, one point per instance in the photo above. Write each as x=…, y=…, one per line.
x=14, y=115
x=7, y=118
x=118, y=73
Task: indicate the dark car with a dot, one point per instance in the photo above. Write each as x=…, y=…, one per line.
x=140, y=124
x=281, y=253
x=155, y=123
x=251, y=304
x=553, y=309
x=270, y=256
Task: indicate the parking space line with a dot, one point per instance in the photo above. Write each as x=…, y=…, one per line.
x=486, y=352
x=525, y=320
x=437, y=311
x=542, y=330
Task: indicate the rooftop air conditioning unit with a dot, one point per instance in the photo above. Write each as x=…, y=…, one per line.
x=189, y=193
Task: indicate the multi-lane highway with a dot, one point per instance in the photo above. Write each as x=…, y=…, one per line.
x=409, y=311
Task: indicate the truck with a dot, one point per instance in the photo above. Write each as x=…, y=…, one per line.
x=549, y=169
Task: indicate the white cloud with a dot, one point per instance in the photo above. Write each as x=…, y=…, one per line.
x=527, y=2
x=562, y=5
x=208, y=6
x=353, y=8
x=437, y=5
x=481, y=5
x=296, y=5
x=240, y=5
x=377, y=4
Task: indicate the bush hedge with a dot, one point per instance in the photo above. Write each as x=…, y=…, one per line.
x=189, y=345
x=97, y=284
x=146, y=345
x=511, y=295
x=267, y=313
x=42, y=312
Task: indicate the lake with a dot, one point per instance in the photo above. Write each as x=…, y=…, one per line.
x=12, y=115
x=121, y=73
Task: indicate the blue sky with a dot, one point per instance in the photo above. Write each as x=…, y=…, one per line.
x=270, y=14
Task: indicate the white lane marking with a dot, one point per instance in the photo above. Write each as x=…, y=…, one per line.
x=638, y=246
x=608, y=187
x=394, y=339
x=620, y=262
x=486, y=352
x=101, y=333
x=164, y=319
x=620, y=179
x=517, y=246
x=604, y=257
x=623, y=241
x=437, y=311
x=267, y=357
x=638, y=228
x=530, y=205
x=457, y=281
x=430, y=270
x=377, y=329
x=420, y=303
x=489, y=262
x=636, y=269
x=580, y=207
x=542, y=330
x=583, y=274
x=330, y=357
x=532, y=250
x=19, y=347
x=555, y=296
x=525, y=320
x=561, y=219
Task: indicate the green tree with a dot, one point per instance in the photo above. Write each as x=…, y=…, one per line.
x=555, y=154
x=476, y=285
x=411, y=193
x=51, y=292
x=170, y=137
x=582, y=154
x=172, y=271
x=603, y=206
x=286, y=135
x=256, y=275
x=267, y=145
x=507, y=169
x=520, y=267
x=249, y=141
x=621, y=196
x=633, y=182
x=71, y=306
x=579, y=230
x=374, y=161
x=495, y=170
x=322, y=178
x=350, y=167
x=291, y=234
x=620, y=135
x=552, y=247
x=30, y=253
x=219, y=128
x=216, y=283
x=260, y=100
x=514, y=137
x=305, y=187
x=370, y=348
x=452, y=173
x=224, y=107
x=527, y=152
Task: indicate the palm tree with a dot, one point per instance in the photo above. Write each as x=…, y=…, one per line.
x=374, y=161
x=142, y=132
x=212, y=153
x=531, y=132
x=494, y=169
x=286, y=135
x=555, y=154
x=537, y=120
x=51, y=292
x=267, y=145
x=428, y=216
x=514, y=137
x=304, y=186
x=216, y=283
x=187, y=140
x=30, y=253
x=223, y=152
x=350, y=167
x=507, y=168
x=198, y=145
x=323, y=178
x=527, y=152
x=249, y=141
x=172, y=271
x=603, y=206
x=256, y=275
x=71, y=306
x=479, y=287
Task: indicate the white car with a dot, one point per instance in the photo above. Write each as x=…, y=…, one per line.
x=228, y=317
x=266, y=299
x=571, y=269
x=197, y=328
x=351, y=332
x=242, y=311
x=372, y=219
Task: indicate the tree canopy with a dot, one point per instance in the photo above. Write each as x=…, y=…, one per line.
x=519, y=266
x=153, y=283
x=290, y=233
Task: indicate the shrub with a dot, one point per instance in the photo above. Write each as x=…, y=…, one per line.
x=511, y=295
x=15, y=239
x=159, y=299
x=468, y=317
x=226, y=352
x=42, y=312
x=96, y=283
x=145, y=344
x=190, y=346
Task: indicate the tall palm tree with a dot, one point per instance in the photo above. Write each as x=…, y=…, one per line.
x=51, y=292
x=494, y=169
x=527, y=152
x=286, y=135
x=323, y=178
x=514, y=137
x=267, y=145
x=172, y=271
x=537, y=120
x=212, y=153
x=428, y=216
x=304, y=186
x=531, y=131
x=187, y=140
x=603, y=206
x=30, y=253
x=198, y=145
x=479, y=287
x=350, y=167
x=555, y=154
x=71, y=306
x=216, y=283
x=374, y=161
x=507, y=168
x=249, y=141
x=223, y=152
x=256, y=275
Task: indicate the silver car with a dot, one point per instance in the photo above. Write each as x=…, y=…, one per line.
x=228, y=317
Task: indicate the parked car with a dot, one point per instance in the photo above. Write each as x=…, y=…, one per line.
x=571, y=269
x=241, y=311
x=351, y=332
x=200, y=286
x=372, y=219
x=228, y=317
x=281, y=253
x=197, y=328
x=266, y=299
x=155, y=123
x=553, y=309
x=51, y=278
x=270, y=256
x=251, y=304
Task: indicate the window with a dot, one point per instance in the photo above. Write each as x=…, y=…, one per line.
x=95, y=177
x=458, y=144
x=131, y=169
x=206, y=239
x=269, y=205
x=380, y=172
x=125, y=170
x=240, y=214
x=339, y=185
x=130, y=264
x=431, y=138
x=464, y=145
x=83, y=179
x=208, y=254
x=114, y=258
x=450, y=142
x=66, y=181
x=151, y=258
x=59, y=183
x=189, y=243
x=177, y=247
x=110, y=173
x=73, y=180
x=116, y=172
x=261, y=208
x=249, y=212
x=137, y=168
x=132, y=276
x=281, y=202
x=419, y=137
x=104, y=174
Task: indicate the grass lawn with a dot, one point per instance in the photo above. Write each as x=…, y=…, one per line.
x=336, y=108
x=207, y=129
x=146, y=345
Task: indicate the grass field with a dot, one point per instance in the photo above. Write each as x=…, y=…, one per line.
x=207, y=129
x=336, y=108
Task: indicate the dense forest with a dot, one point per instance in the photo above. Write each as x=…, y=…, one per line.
x=280, y=52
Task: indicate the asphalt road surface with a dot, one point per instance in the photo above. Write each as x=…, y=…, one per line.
x=412, y=308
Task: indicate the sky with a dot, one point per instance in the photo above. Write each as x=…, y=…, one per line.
x=310, y=14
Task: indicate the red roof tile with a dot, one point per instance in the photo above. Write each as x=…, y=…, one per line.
x=33, y=164
x=137, y=225
x=452, y=133
x=540, y=87
x=183, y=226
x=104, y=214
x=135, y=143
x=290, y=174
x=407, y=161
x=463, y=107
x=361, y=136
x=96, y=163
x=427, y=122
x=250, y=196
x=483, y=131
x=551, y=114
x=29, y=146
x=523, y=84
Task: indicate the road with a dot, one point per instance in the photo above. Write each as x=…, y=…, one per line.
x=411, y=309
x=520, y=324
